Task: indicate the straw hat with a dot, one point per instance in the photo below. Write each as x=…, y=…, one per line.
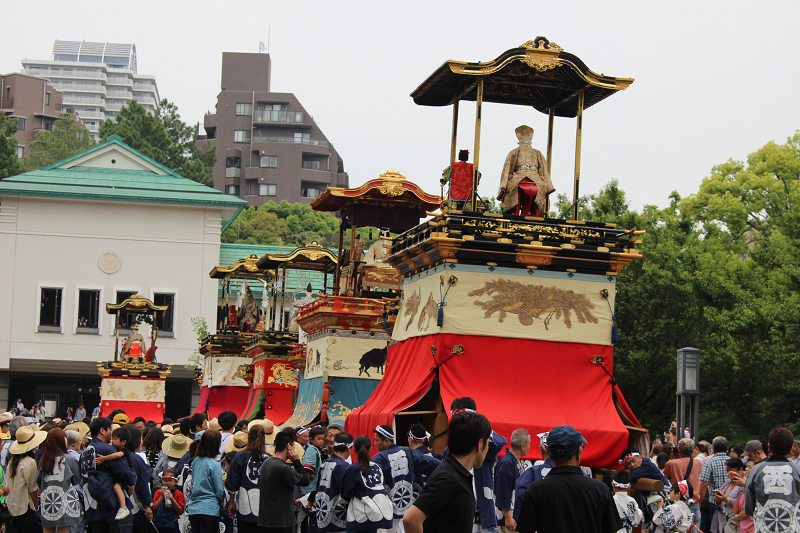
x=167, y=429
x=114, y=427
x=214, y=424
x=27, y=440
x=269, y=429
x=121, y=419
x=297, y=448
x=175, y=446
x=81, y=427
x=5, y=418
x=237, y=443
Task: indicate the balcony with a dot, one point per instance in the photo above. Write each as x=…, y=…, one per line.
x=77, y=100
x=144, y=87
x=145, y=100
x=47, y=73
x=90, y=114
x=266, y=139
x=125, y=81
x=6, y=102
x=233, y=172
x=283, y=117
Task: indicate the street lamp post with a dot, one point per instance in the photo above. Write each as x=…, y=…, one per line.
x=688, y=392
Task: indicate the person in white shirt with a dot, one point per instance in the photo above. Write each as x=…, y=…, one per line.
x=629, y=512
x=227, y=423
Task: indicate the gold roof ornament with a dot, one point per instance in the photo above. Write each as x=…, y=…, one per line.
x=136, y=304
x=312, y=256
x=538, y=73
x=246, y=268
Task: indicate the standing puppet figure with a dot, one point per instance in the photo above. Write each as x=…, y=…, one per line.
x=525, y=178
x=134, y=345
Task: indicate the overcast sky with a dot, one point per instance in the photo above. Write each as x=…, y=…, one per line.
x=714, y=80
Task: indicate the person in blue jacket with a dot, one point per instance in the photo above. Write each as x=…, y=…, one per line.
x=402, y=467
x=101, y=504
x=242, y=480
x=331, y=515
x=369, y=508
x=506, y=473
x=142, y=509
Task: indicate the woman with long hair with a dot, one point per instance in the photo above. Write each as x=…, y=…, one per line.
x=208, y=492
x=152, y=446
x=59, y=480
x=21, y=488
x=243, y=476
x=370, y=508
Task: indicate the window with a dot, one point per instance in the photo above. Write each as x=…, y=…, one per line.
x=126, y=321
x=302, y=138
x=277, y=107
x=21, y=126
x=88, y=311
x=50, y=310
x=241, y=136
x=233, y=190
x=165, y=324
x=311, y=165
x=269, y=161
x=48, y=126
x=267, y=189
x=310, y=189
x=233, y=162
x=244, y=109
x=46, y=98
x=20, y=152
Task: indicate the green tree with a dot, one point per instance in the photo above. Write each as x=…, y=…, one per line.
x=67, y=138
x=164, y=138
x=10, y=165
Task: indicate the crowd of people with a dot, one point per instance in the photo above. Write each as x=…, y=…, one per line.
x=206, y=476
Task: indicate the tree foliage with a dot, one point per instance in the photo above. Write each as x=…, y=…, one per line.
x=165, y=138
x=67, y=138
x=720, y=272
x=289, y=224
x=10, y=164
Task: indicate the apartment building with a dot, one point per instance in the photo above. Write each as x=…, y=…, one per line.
x=268, y=146
x=96, y=79
x=34, y=102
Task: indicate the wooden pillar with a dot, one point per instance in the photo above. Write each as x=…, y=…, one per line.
x=454, y=135
x=578, y=135
x=477, y=149
x=339, y=262
x=283, y=293
x=550, y=121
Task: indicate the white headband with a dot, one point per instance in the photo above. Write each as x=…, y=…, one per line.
x=543, y=438
x=419, y=439
x=380, y=431
x=621, y=485
x=632, y=454
x=454, y=412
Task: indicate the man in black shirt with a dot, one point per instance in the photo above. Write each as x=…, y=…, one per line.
x=447, y=503
x=566, y=500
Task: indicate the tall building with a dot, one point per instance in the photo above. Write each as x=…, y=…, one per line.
x=268, y=146
x=96, y=79
x=32, y=101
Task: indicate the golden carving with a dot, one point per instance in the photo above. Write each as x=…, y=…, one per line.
x=393, y=189
x=412, y=305
x=428, y=312
x=313, y=255
x=533, y=301
x=392, y=175
x=540, y=45
x=541, y=65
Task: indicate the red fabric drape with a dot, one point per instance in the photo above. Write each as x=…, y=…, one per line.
x=626, y=410
x=202, y=404
x=408, y=377
x=148, y=410
x=278, y=406
x=516, y=383
x=223, y=399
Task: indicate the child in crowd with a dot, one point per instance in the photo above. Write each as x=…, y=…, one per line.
x=629, y=512
x=168, y=503
x=119, y=439
x=675, y=518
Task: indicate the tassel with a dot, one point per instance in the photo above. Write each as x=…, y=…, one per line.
x=614, y=330
x=440, y=317
x=370, y=234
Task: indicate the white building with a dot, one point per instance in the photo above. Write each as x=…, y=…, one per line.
x=96, y=79
x=91, y=230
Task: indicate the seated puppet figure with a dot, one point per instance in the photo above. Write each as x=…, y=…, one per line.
x=134, y=345
x=459, y=174
x=525, y=178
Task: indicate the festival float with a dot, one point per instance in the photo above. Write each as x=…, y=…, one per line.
x=134, y=380
x=515, y=309
x=345, y=351
x=248, y=363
